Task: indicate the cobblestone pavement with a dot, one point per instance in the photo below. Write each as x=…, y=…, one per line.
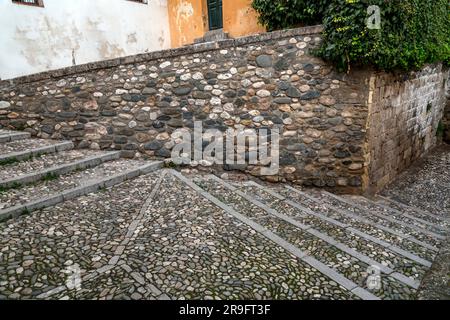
x=426, y=186
x=190, y=235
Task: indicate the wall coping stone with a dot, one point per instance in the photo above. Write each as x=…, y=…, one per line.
x=163, y=54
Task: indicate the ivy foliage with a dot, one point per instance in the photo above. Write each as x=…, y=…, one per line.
x=282, y=14
x=412, y=32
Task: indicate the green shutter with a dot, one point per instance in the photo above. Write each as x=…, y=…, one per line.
x=215, y=14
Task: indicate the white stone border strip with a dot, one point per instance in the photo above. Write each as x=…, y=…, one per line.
x=384, y=217
x=13, y=136
x=309, y=229
x=21, y=155
x=358, y=255
x=84, y=163
x=383, y=243
x=330, y=273
x=16, y=211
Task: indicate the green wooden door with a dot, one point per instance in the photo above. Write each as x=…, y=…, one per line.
x=215, y=14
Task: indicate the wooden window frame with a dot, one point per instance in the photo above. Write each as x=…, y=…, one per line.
x=37, y=3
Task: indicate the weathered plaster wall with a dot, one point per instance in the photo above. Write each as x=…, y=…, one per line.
x=188, y=21
x=66, y=33
x=240, y=19
x=405, y=111
x=338, y=131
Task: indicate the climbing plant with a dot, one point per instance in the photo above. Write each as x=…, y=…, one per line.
x=411, y=34
x=281, y=14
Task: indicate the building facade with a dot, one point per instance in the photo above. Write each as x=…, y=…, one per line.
x=192, y=19
x=42, y=35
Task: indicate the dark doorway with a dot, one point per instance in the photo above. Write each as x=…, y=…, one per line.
x=215, y=14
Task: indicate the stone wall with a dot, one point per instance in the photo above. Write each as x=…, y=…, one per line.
x=446, y=120
x=271, y=80
x=404, y=115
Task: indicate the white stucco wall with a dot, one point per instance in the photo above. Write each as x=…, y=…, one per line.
x=68, y=32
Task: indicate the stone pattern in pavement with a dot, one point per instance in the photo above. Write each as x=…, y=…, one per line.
x=23, y=145
x=44, y=161
x=426, y=186
x=163, y=236
x=46, y=188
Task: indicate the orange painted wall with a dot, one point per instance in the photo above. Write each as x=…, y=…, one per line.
x=189, y=20
x=239, y=18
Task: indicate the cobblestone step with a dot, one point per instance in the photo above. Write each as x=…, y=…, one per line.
x=85, y=232
x=223, y=199
x=434, y=200
x=43, y=162
x=394, y=217
x=390, y=262
x=414, y=211
x=41, y=168
x=23, y=200
x=13, y=136
x=19, y=150
x=388, y=224
x=403, y=217
x=364, y=228
x=426, y=185
x=335, y=255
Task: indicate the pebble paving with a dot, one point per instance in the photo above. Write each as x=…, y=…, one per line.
x=399, y=217
x=37, y=249
x=378, y=253
x=396, y=227
x=24, y=145
x=206, y=253
x=43, y=162
x=369, y=229
x=156, y=238
x=435, y=219
x=345, y=264
x=24, y=194
x=426, y=185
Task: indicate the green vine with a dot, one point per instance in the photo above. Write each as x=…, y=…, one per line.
x=412, y=33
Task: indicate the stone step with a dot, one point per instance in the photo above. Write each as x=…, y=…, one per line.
x=414, y=211
x=58, y=164
x=241, y=209
x=27, y=149
x=435, y=199
x=337, y=256
x=393, y=216
x=213, y=36
x=13, y=136
x=405, y=270
x=402, y=217
x=364, y=228
x=390, y=225
x=15, y=202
